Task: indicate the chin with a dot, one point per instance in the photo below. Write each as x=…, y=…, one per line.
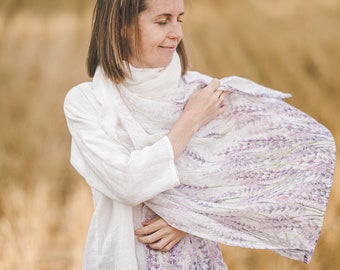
x=161, y=61
x=159, y=64
x=166, y=62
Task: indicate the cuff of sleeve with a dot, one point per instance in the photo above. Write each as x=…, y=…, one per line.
x=172, y=165
x=169, y=145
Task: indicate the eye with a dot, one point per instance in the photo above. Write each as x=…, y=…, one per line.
x=162, y=22
x=165, y=21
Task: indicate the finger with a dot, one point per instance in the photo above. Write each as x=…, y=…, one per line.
x=222, y=94
x=151, y=238
x=153, y=220
x=156, y=235
x=170, y=245
x=151, y=226
x=164, y=244
x=219, y=94
x=213, y=85
x=160, y=244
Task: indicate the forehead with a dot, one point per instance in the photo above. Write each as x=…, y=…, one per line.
x=159, y=7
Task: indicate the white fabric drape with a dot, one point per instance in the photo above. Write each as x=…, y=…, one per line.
x=258, y=176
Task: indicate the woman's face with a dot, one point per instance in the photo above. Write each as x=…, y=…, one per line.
x=160, y=32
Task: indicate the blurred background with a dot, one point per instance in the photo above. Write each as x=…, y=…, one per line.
x=45, y=207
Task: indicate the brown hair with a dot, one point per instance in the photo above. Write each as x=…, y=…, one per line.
x=109, y=45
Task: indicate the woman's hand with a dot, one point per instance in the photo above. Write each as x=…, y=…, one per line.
x=205, y=104
x=159, y=235
x=202, y=107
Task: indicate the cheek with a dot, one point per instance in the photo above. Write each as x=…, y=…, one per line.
x=152, y=38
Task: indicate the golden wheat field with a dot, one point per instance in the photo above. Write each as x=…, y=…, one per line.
x=45, y=207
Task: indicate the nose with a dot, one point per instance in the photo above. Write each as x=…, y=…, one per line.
x=176, y=31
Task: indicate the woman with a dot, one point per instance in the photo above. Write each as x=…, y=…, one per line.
x=137, y=139
x=119, y=203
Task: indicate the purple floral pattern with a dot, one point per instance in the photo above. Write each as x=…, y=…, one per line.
x=191, y=253
x=199, y=254
x=258, y=176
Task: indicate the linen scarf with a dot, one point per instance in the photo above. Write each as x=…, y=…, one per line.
x=258, y=176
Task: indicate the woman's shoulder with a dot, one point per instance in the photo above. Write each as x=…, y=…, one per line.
x=81, y=97
x=79, y=91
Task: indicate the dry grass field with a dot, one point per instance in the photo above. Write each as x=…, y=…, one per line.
x=45, y=206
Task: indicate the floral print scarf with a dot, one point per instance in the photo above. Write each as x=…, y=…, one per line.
x=258, y=176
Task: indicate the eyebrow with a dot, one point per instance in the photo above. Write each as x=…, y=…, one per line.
x=168, y=15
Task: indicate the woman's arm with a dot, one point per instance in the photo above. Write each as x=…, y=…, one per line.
x=132, y=177
x=203, y=106
x=110, y=166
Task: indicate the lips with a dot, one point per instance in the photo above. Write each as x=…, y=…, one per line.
x=170, y=48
